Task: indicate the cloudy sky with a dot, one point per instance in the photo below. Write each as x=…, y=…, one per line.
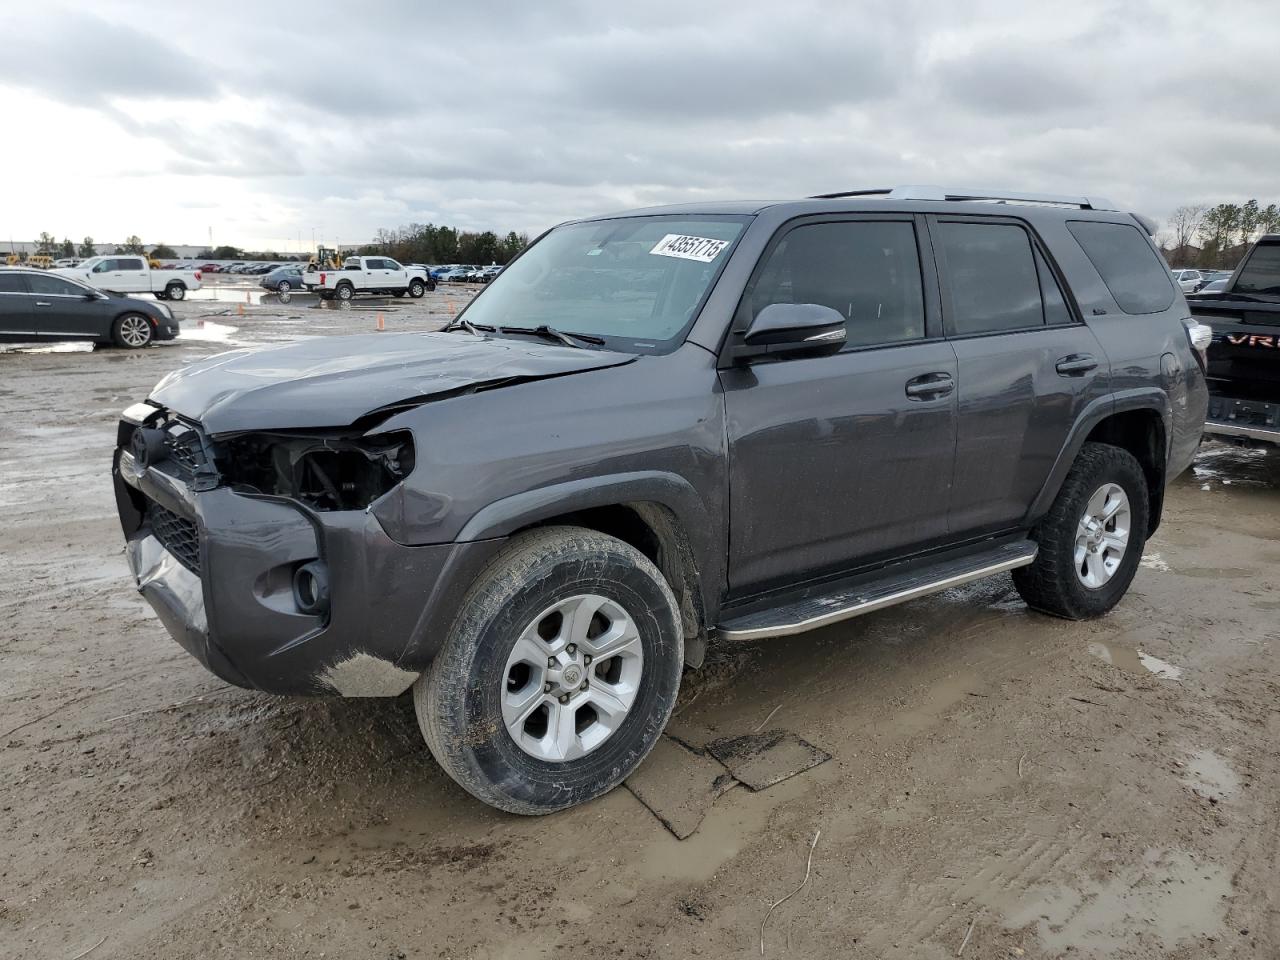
x=173, y=120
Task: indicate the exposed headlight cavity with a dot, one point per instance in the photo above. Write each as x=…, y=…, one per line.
x=324, y=472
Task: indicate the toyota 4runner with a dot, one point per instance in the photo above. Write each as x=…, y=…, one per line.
x=661, y=429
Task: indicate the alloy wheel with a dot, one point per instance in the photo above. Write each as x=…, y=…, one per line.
x=572, y=678
x=1102, y=536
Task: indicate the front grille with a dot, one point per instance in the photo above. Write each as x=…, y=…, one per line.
x=185, y=450
x=176, y=534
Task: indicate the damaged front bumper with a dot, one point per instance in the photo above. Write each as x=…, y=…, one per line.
x=218, y=566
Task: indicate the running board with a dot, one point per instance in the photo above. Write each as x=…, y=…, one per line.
x=841, y=602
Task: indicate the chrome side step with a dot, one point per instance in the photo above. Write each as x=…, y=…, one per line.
x=845, y=602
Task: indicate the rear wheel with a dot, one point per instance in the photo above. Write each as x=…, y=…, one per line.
x=558, y=675
x=1092, y=538
x=132, y=331
x=416, y=288
x=345, y=291
x=175, y=291
x=284, y=286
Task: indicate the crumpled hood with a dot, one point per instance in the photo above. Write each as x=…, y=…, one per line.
x=333, y=381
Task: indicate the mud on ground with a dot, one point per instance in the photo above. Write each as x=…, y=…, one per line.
x=1102, y=789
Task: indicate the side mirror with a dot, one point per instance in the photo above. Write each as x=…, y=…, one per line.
x=792, y=329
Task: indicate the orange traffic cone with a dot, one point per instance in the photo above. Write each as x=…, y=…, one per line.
x=381, y=325
x=240, y=309
x=448, y=305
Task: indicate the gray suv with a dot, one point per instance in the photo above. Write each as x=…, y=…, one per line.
x=661, y=429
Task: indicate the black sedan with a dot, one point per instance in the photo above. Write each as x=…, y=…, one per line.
x=38, y=307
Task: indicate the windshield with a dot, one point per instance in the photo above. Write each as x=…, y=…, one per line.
x=636, y=281
x=1261, y=275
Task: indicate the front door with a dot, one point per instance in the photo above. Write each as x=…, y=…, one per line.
x=15, y=308
x=1028, y=365
x=838, y=460
x=63, y=310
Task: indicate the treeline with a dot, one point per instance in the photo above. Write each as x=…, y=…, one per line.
x=428, y=243
x=1216, y=237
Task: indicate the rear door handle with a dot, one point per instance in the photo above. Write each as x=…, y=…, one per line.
x=930, y=386
x=1075, y=364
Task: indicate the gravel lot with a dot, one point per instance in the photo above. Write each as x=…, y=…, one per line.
x=1018, y=785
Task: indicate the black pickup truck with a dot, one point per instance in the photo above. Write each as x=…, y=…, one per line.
x=1244, y=358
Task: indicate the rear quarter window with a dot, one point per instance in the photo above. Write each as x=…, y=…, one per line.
x=1128, y=265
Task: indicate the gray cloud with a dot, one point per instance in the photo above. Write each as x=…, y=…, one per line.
x=519, y=116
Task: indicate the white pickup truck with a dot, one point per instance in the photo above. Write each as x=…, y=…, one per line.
x=127, y=273
x=367, y=275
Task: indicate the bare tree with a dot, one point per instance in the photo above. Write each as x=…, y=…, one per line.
x=1184, y=224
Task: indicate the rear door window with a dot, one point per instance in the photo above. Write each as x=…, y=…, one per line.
x=1127, y=263
x=12, y=283
x=990, y=272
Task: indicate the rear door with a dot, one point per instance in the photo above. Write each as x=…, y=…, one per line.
x=15, y=308
x=836, y=461
x=1027, y=366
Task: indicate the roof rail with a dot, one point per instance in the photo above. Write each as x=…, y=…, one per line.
x=921, y=192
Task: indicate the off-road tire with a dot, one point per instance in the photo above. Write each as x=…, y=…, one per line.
x=417, y=288
x=344, y=291
x=458, y=698
x=1051, y=584
x=175, y=291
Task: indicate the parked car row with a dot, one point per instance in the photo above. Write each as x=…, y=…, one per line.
x=1193, y=281
x=464, y=273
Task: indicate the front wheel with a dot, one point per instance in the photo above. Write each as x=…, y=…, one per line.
x=558, y=675
x=417, y=288
x=1092, y=538
x=132, y=331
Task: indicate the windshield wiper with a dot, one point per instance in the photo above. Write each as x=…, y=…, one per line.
x=548, y=332
x=466, y=325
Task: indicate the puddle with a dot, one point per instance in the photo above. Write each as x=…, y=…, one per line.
x=1134, y=661
x=208, y=331
x=66, y=346
x=1230, y=465
x=247, y=295
x=1168, y=898
x=1209, y=776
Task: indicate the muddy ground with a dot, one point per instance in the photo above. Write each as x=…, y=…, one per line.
x=1000, y=781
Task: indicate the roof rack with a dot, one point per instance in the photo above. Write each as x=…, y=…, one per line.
x=946, y=193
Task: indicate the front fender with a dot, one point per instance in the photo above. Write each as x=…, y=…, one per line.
x=488, y=530
x=506, y=516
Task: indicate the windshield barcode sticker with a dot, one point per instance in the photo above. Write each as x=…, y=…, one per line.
x=703, y=249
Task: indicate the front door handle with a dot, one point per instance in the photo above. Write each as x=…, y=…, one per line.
x=930, y=386
x=1076, y=364
x=43, y=303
